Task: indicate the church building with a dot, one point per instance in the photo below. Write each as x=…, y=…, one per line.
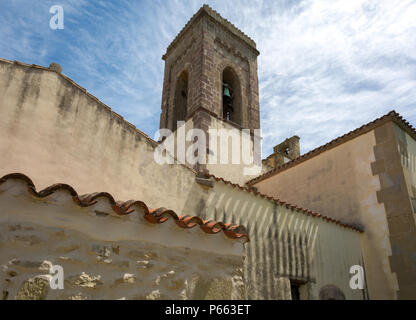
x=82, y=191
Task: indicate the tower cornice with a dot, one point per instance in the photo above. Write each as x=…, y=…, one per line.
x=206, y=10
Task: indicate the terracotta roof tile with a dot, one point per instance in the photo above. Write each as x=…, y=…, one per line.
x=285, y=204
x=391, y=116
x=155, y=216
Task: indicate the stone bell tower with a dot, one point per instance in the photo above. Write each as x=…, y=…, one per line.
x=210, y=76
x=206, y=54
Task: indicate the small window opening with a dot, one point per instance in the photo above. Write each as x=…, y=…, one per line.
x=287, y=151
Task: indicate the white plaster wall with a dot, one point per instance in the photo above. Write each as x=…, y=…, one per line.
x=54, y=132
x=287, y=244
x=109, y=257
x=339, y=183
x=235, y=170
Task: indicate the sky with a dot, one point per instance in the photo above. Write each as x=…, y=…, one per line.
x=325, y=67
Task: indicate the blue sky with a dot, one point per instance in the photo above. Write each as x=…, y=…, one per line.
x=325, y=66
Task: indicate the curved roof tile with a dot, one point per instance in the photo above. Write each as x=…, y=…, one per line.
x=155, y=216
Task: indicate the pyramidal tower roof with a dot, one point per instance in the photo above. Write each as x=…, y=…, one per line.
x=207, y=10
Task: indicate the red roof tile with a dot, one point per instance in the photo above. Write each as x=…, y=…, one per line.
x=155, y=216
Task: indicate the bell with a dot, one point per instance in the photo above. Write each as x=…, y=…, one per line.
x=226, y=92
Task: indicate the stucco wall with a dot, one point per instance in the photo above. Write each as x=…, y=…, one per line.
x=57, y=133
x=336, y=252
x=287, y=245
x=241, y=168
x=407, y=149
x=234, y=167
x=54, y=132
x=106, y=256
x=340, y=183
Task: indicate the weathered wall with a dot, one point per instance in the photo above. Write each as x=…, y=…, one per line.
x=54, y=132
x=238, y=165
x=241, y=156
x=345, y=247
x=221, y=50
x=401, y=208
x=107, y=256
x=341, y=183
x=185, y=57
x=58, y=133
x=286, y=245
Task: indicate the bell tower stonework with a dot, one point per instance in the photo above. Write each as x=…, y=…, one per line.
x=206, y=53
x=210, y=77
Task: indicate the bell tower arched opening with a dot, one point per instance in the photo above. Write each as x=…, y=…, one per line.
x=181, y=99
x=231, y=96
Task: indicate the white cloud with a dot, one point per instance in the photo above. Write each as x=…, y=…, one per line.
x=325, y=68
x=328, y=67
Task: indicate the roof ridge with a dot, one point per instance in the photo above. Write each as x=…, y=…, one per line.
x=155, y=216
x=286, y=204
x=229, y=23
x=392, y=115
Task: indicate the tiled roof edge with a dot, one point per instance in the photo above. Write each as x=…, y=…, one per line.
x=155, y=216
x=215, y=15
x=391, y=116
x=287, y=205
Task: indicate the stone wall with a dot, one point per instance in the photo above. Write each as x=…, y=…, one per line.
x=205, y=49
x=396, y=167
x=108, y=256
x=221, y=50
x=186, y=57
x=284, y=152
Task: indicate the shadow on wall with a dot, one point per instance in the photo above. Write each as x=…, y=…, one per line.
x=331, y=292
